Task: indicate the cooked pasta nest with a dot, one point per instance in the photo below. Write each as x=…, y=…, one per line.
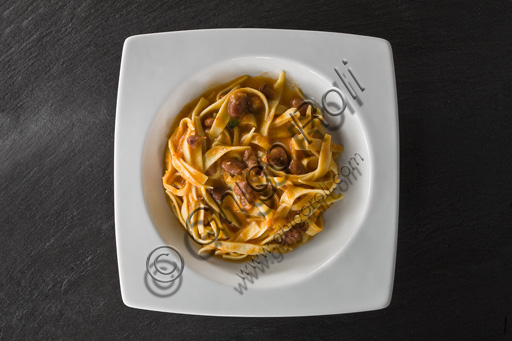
x=250, y=168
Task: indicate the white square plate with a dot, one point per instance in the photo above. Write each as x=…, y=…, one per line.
x=349, y=266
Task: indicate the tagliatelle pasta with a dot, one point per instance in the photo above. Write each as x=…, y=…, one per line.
x=249, y=168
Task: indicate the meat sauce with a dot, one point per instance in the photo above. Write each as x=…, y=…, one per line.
x=234, y=165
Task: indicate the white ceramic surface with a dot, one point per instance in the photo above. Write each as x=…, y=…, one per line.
x=347, y=267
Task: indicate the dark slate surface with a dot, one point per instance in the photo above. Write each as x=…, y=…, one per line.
x=59, y=65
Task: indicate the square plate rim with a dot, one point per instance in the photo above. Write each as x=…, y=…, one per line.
x=125, y=294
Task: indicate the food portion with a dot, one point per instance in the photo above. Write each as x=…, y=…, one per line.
x=249, y=168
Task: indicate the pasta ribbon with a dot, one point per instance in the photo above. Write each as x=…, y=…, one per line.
x=246, y=173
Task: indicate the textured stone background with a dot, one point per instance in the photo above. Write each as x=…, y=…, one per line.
x=59, y=67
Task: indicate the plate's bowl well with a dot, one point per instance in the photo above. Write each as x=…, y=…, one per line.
x=341, y=221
